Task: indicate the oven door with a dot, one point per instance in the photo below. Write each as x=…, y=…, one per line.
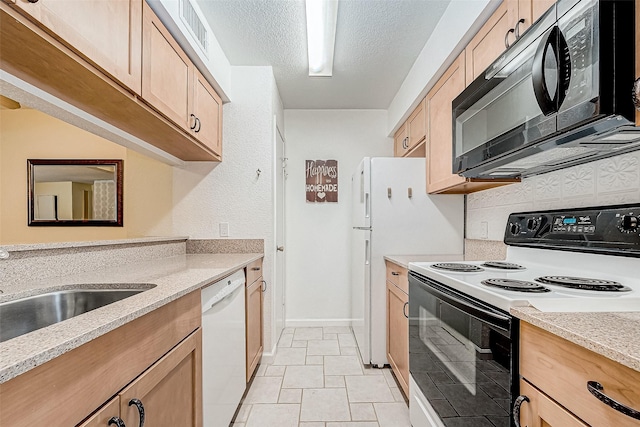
x=462, y=357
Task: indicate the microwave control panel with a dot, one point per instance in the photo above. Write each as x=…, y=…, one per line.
x=603, y=229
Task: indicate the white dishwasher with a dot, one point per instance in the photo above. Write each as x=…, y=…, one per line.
x=223, y=349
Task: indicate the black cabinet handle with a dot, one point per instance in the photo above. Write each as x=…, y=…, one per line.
x=516, y=30
x=516, y=409
x=199, y=125
x=395, y=273
x=114, y=420
x=193, y=116
x=140, y=407
x=255, y=268
x=264, y=286
x=33, y=1
x=506, y=37
x=404, y=309
x=596, y=389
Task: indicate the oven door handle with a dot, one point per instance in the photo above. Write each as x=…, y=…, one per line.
x=498, y=320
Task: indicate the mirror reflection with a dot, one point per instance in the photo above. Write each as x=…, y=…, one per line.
x=75, y=192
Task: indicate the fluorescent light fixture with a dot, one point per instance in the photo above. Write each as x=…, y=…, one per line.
x=321, y=36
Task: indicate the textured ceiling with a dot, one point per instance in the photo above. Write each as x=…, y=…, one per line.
x=377, y=42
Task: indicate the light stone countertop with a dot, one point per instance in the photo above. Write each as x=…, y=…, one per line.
x=613, y=335
x=404, y=260
x=174, y=277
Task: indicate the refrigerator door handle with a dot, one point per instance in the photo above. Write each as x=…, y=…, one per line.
x=367, y=207
x=366, y=252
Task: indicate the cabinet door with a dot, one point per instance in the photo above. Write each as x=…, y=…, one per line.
x=166, y=72
x=541, y=411
x=103, y=415
x=254, y=326
x=531, y=10
x=207, y=107
x=170, y=390
x=401, y=141
x=439, y=146
x=489, y=42
x=107, y=33
x=417, y=123
x=398, y=335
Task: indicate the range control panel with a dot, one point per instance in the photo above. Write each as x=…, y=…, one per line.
x=610, y=229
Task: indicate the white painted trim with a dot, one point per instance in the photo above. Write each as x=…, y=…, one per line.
x=301, y=323
x=269, y=356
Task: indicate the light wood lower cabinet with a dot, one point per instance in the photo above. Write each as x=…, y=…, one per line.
x=398, y=324
x=540, y=411
x=139, y=359
x=170, y=391
x=560, y=371
x=254, y=308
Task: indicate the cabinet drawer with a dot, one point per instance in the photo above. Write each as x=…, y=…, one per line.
x=398, y=276
x=254, y=271
x=562, y=369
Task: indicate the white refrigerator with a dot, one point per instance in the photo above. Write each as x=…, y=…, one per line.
x=392, y=214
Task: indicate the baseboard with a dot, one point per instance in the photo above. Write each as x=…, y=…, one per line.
x=301, y=323
x=268, y=356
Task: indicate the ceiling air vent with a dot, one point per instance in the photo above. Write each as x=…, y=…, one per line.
x=193, y=21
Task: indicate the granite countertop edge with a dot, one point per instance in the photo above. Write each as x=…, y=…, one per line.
x=83, y=244
x=593, y=331
x=178, y=276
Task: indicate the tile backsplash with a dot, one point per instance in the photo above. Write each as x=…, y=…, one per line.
x=610, y=181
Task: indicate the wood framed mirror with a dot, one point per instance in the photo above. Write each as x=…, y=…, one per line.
x=75, y=192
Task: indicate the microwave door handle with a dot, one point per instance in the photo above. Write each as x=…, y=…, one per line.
x=547, y=104
x=564, y=68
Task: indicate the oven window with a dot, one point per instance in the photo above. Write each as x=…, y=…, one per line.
x=461, y=364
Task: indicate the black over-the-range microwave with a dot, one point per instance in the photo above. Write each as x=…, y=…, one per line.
x=561, y=95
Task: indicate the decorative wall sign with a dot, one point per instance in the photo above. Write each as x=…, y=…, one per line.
x=322, y=181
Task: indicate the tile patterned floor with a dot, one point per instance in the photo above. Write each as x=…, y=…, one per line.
x=317, y=380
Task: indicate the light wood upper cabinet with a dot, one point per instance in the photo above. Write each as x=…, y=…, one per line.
x=409, y=138
x=167, y=72
x=417, y=123
x=107, y=33
x=174, y=86
x=490, y=41
x=561, y=370
x=253, y=313
x=207, y=109
x=401, y=141
x=440, y=174
x=509, y=21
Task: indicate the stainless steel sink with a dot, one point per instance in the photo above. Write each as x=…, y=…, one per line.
x=25, y=315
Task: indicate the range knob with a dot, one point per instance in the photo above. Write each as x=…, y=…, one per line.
x=533, y=224
x=629, y=223
x=514, y=228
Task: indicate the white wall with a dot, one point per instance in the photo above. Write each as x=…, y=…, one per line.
x=318, y=234
x=207, y=194
x=458, y=25
x=611, y=181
